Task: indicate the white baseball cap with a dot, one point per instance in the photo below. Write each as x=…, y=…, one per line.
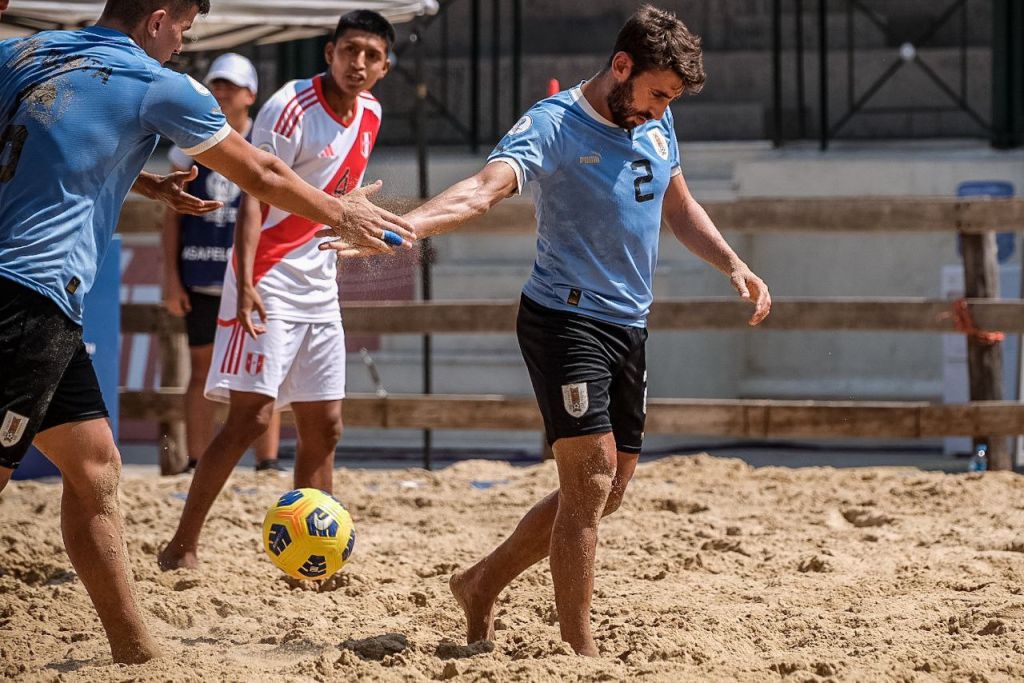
x=233, y=68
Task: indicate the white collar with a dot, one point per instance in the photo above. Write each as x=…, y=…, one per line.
x=581, y=99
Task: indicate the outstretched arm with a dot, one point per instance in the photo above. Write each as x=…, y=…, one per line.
x=464, y=200
x=352, y=218
x=693, y=227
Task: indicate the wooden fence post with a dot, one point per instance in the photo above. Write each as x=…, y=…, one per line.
x=984, y=361
x=173, y=362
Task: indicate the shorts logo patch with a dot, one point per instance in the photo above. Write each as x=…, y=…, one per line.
x=575, y=399
x=254, y=363
x=659, y=142
x=12, y=429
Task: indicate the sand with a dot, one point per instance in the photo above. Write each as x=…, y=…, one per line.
x=711, y=571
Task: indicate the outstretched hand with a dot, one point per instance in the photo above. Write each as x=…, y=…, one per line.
x=170, y=189
x=364, y=228
x=753, y=289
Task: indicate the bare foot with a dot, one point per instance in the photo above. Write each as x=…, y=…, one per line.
x=176, y=557
x=479, y=611
x=135, y=653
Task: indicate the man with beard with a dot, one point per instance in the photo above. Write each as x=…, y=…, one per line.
x=604, y=165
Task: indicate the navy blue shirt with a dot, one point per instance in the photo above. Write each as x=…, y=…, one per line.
x=206, y=240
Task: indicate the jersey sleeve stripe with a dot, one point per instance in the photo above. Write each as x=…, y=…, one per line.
x=301, y=104
x=209, y=142
x=289, y=110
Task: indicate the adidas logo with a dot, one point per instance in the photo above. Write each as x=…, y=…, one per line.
x=327, y=152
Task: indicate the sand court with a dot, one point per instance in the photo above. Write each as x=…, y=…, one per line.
x=711, y=570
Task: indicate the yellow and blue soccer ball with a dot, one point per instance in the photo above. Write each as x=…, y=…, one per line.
x=308, y=534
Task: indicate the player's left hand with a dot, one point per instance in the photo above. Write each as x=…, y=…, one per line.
x=367, y=229
x=170, y=189
x=753, y=289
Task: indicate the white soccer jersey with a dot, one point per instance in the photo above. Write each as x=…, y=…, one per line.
x=297, y=281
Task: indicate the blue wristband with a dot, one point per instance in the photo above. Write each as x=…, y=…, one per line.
x=392, y=238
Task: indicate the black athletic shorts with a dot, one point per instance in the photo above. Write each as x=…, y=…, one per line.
x=589, y=376
x=46, y=375
x=201, y=321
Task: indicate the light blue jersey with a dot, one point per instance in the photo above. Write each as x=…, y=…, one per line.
x=598, y=191
x=80, y=113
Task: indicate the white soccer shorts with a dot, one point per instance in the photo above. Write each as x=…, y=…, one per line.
x=291, y=362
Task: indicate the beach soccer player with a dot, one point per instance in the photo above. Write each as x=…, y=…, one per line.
x=195, y=250
x=80, y=113
x=292, y=354
x=603, y=163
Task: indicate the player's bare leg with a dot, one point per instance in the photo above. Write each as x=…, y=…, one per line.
x=266, y=446
x=5, y=476
x=478, y=587
x=199, y=410
x=90, y=467
x=248, y=417
x=319, y=426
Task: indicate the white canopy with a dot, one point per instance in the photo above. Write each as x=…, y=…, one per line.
x=229, y=23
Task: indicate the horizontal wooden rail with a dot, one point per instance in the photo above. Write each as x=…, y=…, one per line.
x=750, y=419
x=828, y=214
x=465, y=317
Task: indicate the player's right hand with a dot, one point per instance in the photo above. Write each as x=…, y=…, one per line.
x=362, y=228
x=170, y=189
x=248, y=301
x=176, y=299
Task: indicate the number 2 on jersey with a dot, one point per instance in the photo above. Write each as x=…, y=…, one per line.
x=645, y=166
x=11, y=142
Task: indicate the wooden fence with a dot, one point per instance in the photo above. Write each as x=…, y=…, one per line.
x=975, y=219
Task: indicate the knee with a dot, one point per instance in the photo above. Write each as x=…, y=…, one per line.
x=96, y=478
x=595, y=486
x=247, y=425
x=329, y=433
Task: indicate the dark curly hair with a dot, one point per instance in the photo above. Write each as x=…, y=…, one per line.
x=657, y=40
x=131, y=12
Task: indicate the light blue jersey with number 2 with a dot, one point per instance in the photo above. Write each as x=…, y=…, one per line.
x=80, y=113
x=598, y=191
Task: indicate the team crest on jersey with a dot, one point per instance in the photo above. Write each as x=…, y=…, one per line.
x=366, y=144
x=575, y=399
x=12, y=429
x=254, y=363
x=522, y=125
x=197, y=86
x=659, y=142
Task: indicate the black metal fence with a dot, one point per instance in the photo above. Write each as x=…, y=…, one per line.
x=954, y=71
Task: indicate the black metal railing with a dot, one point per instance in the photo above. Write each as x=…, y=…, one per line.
x=444, y=90
x=906, y=39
